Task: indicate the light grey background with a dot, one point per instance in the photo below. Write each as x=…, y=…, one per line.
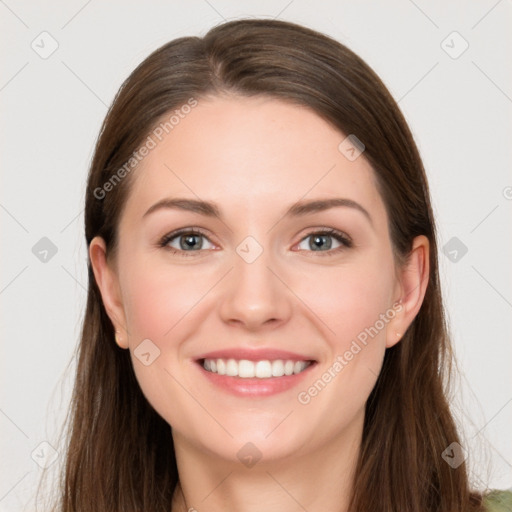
x=459, y=108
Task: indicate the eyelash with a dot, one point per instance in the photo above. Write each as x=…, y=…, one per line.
x=337, y=235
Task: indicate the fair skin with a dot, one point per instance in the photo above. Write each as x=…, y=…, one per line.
x=254, y=158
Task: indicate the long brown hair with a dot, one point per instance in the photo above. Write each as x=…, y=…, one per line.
x=120, y=455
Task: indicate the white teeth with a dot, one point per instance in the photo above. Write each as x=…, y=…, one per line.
x=248, y=369
x=277, y=368
x=288, y=367
x=263, y=369
x=299, y=366
x=231, y=368
x=221, y=367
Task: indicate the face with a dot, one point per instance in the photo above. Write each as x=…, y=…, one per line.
x=252, y=277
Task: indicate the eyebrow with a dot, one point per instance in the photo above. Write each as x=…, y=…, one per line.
x=298, y=209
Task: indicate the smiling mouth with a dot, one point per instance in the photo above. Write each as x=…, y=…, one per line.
x=245, y=369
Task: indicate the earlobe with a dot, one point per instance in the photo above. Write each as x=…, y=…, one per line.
x=413, y=282
x=107, y=281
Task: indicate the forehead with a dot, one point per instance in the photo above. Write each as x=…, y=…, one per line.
x=257, y=155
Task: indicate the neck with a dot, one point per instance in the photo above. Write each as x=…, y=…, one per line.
x=319, y=480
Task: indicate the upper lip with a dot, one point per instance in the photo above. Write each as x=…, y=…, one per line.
x=260, y=354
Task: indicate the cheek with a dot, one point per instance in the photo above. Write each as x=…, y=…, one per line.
x=349, y=300
x=156, y=300
x=355, y=305
x=159, y=304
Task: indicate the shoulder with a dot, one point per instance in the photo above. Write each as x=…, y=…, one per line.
x=498, y=501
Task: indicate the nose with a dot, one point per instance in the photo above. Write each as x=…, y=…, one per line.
x=255, y=296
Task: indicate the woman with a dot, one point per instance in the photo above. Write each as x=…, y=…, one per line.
x=264, y=326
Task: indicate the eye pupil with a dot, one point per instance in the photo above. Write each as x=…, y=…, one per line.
x=321, y=240
x=189, y=241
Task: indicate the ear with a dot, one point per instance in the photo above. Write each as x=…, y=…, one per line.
x=412, y=281
x=108, y=284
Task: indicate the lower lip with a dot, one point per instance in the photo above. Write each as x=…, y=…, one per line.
x=255, y=387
